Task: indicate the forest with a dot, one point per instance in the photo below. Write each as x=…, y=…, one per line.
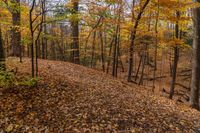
x=87, y=66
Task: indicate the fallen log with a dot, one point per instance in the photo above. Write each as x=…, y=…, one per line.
x=150, y=79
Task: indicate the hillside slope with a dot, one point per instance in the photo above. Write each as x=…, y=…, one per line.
x=73, y=98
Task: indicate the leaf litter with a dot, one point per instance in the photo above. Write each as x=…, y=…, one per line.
x=73, y=98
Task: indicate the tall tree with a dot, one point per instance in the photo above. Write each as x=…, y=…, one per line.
x=117, y=41
x=156, y=46
x=35, y=35
x=133, y=36
x=195, y=84
x=44, y=38
x=75, y=32
x=176, y=57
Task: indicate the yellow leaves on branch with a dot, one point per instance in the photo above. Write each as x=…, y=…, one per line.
x=178, y=42
x=70, y=3
x=180, y=5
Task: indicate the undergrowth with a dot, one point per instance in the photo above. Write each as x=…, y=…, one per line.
x=8, y=80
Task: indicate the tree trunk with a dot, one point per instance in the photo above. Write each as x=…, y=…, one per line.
x=44, y=47
x=116, y=52
x=176, y=58
x=38, y=47
x=44, y=40
x=156, y=49
x=144, y=56
x=102, y=51
x=131, y=50
x=2, y=56
x=109, y=55
x=36, y=58
x=16, y=34
x=75, y=33
x=93, y=48
x=117, y=42
x=138, y=69
x=133, y=36
x=194, y=100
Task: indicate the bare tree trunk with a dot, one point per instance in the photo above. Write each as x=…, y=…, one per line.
x=120, y=60
x=53, y=50
x=53, y=46
x=44, y=43
x=132, y=45
x=116, y=53
x=36, y=58
x=2, y=54
x=62, y=50
x=116, y=44
x=109, y=55
x=170, y=62
x=133, y=36
x=176, y=58
x=44, y=38
x=34, y=38
x=93, y=48
x=194, y=100
x=75, y=34
x=32, y=58
x=102, y=51
x=7, y=44
x=138, y=69
x=156, y=49
x=144, y=56
x=16, y=34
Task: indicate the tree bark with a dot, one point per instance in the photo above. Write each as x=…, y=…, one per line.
x=156, y=49
x=133, y=36
x=93, y=49
x=110, y=54
x=44, y=38
x=2, y=55
x=176, y=58
x=102, y=51
x=75, y=33
x=194, y=100
x=144, y=56
x=16, y=34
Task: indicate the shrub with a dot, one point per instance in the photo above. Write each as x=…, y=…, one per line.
x=7, y=79
x=30, y=82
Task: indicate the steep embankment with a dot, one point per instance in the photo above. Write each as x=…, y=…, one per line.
x=73, y=98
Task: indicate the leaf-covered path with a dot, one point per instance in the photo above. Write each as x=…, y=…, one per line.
x=73, y=98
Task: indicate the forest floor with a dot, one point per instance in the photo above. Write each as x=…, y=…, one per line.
x=73, y=98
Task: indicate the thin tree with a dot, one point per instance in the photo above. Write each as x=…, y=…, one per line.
x=102, y=51
x=44, y=38
x=133, y=36
x=75, y=33
x=117, y=41
x=176, y=58
x=34, y=38
x=156, y=47
x=93, y=48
